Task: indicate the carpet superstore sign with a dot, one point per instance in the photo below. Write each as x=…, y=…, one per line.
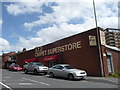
x=67, y=47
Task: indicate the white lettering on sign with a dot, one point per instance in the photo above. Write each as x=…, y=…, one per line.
x=71, y=46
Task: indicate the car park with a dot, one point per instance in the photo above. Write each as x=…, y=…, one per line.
x=35, y=68
x=67, y=71
x=15, y=67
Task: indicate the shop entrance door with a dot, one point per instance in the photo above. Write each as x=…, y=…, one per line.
x=110, y=64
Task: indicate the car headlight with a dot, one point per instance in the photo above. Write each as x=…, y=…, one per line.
x=77, y=73
x=80, y=73
x=15, y=68
x=39, y=68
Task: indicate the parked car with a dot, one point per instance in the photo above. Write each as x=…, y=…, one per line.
x=35, y=68
x=67, y=71
x=15, y=67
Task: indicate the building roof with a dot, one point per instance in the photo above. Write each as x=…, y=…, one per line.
x=10, y=53
x=113, y=48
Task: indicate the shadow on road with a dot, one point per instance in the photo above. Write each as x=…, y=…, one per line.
x=39, y=74
x=101, y=81
x=66, y=79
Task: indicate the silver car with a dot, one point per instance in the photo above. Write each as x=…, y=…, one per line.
x=35, y=67
x=67, y=71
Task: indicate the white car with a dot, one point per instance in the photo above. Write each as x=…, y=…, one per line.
x=65, y=70
x=35, y=67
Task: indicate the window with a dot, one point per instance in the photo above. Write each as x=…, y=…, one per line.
x=38, y=64
x=58, y=67
x=16, y=65
x=68, y=67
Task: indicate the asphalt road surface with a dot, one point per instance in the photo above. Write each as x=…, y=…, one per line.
x=14, y=79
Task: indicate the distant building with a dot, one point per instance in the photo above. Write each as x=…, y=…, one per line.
x=8, y=58
x=112, y=37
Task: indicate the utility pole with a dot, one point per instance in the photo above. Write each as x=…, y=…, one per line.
x=99, y=42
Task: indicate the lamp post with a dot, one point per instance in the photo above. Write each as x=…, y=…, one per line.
x=99, y=42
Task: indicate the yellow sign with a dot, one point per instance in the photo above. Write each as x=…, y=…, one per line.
x=92, y=41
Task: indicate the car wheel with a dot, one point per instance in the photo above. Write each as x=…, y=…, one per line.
x=25, y=70
x=70, y=77
x=35, y=71
x=51, y=75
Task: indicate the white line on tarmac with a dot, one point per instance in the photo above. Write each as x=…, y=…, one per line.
x=25, y=83
x=37, y=81
x=5, y=85
x=7, y=77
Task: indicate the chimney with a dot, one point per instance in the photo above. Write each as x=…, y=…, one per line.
x=24, y=50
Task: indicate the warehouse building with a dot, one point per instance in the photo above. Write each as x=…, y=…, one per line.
x=85, y=51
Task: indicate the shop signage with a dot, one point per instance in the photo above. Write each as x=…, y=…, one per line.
x=92, y=41
x=102, y=37
x=31, y=60
x=67, y=47
x=51, y=58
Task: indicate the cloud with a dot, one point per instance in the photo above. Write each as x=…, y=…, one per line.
x=64, y=12
x=58, y=0
x=4, y=44
x=1, y=22
x=111, y=22
x=19, y=8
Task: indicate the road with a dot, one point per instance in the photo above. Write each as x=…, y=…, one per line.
x=14, y=79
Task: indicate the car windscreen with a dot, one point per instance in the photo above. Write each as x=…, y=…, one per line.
x=38, y=64
x=16, y=66
x=68, y=67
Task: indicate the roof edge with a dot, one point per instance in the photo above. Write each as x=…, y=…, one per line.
x=113, y=48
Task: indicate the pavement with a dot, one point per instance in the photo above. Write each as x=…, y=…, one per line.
x=13, y=79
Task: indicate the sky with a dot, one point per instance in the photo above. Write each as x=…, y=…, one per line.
x=29, y=24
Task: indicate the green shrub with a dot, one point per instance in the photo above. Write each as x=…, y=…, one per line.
x=116, y=74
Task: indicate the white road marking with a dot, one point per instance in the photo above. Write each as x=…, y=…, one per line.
x=37, y=81
x=7, y=77
x=5, y=85
x=25, y=83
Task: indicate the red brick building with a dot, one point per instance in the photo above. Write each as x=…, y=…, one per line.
x=113, y=59
x=7, y=59
x=85, y=51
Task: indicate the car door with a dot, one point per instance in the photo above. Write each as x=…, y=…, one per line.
x=29, y=67
x=32, y=67
x=54, y=70
x=60, y=72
